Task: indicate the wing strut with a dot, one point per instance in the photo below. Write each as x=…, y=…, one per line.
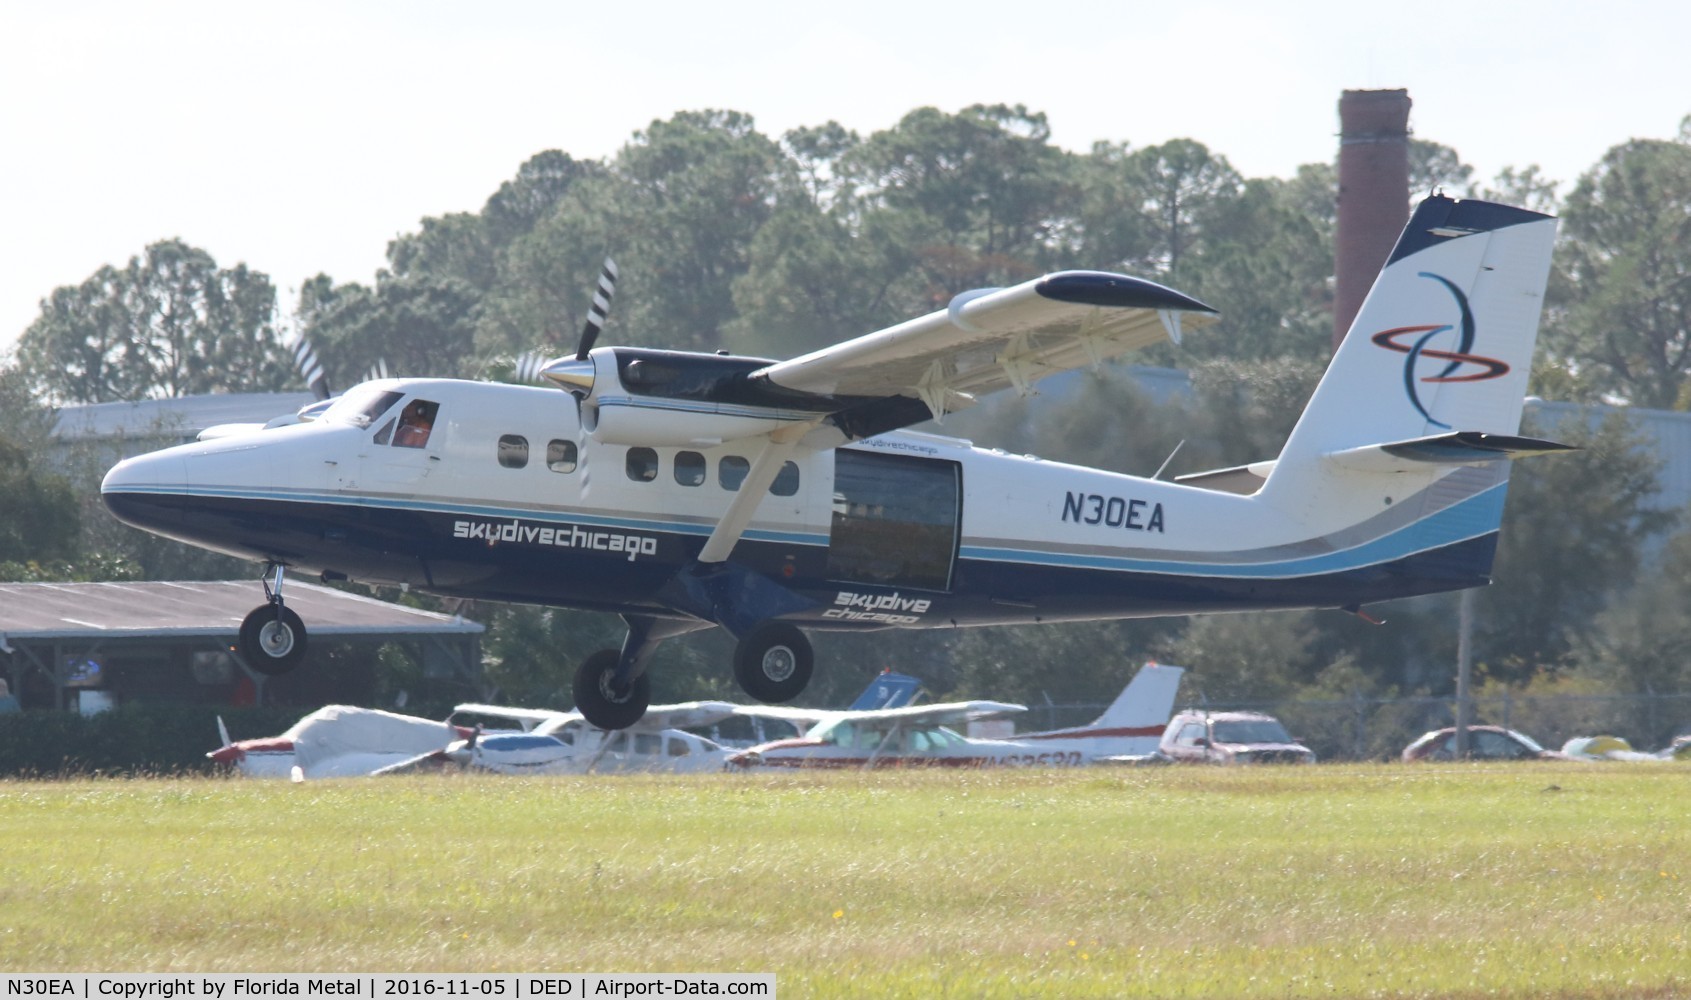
x=739, y=514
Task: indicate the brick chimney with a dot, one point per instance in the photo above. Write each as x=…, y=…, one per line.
x=1373, y=194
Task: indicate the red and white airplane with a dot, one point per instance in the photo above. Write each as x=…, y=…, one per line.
x=336, y=741
x=919, y=735
x=685, y=491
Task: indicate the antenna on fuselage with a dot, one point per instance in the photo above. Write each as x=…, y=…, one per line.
x=1164, y=467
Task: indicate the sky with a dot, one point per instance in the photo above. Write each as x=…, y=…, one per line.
x=301, y=137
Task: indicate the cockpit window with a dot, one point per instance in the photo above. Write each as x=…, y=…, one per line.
x=361, y=407
x=416, y=422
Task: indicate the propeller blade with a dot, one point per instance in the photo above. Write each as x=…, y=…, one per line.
x=377, y=370
x=310, y=369
x=529, y=366
x=600, y=309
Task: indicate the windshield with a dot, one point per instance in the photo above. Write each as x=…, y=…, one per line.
x=1250, y=731
x=360, y=407
x=1527, y=741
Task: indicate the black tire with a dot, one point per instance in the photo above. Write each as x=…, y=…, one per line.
x=272, y=640
x=773, y=662
x=599, y=703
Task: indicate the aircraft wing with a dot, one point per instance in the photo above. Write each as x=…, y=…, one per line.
x=942, y=714
x=784, y=713
x=659, y=717
x=991, y=339
x=434, y=760
x=528, y=718
x=683, y=715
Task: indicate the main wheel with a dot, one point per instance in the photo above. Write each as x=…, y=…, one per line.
x=597, y=697
x=773, y=662
x=272, y=640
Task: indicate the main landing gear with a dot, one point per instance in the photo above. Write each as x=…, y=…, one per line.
x=272, y=640
x=772, y=662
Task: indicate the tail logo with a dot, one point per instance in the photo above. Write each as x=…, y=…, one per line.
x=1454, y=361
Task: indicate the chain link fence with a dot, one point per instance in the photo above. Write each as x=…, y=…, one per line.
x=1379, y=728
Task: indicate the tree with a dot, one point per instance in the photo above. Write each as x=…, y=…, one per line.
x=978, y=192
x=678, y=208
x=171, y=323
x=1623, y=304
x=1243, y=658
x=1573, y=535
x=1182, y=186
x=417, y=325
x=1642, y=643
x=1434, y=167
x=41, y=522
x=1267, y=264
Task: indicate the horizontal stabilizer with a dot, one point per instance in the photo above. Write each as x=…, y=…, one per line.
x=1457, y=448
x=1241, y=479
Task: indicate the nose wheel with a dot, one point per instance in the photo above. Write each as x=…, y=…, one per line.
x=272, y=637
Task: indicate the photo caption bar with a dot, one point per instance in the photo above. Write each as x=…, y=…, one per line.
x=386, y=986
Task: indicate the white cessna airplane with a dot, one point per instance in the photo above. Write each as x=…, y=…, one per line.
x=919, y=735
x=688, y=490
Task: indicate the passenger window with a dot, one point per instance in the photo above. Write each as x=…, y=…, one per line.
x=642, y=465
x=786, y=481
x=416, y=423
x=513, y=451
x=732, y=472
x=689, y=468
x=560, y=456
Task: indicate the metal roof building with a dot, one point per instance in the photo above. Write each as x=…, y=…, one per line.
x=90, y=645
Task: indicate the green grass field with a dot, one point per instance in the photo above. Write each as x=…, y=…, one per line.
x=1333, y=881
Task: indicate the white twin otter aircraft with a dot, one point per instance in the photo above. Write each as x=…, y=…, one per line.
x=688, y=490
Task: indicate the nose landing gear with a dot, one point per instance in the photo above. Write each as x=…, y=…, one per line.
x=272, y=638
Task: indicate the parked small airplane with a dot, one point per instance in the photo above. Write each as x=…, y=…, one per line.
x=336, y=741
x=340, y=741
x=918, y=736
x=687, y=490
x=566, y=743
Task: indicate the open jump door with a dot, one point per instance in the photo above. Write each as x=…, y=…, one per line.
x=896, y=520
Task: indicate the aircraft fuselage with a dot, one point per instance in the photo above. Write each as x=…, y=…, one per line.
x=507, y=500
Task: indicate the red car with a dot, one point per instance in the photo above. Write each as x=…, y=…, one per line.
x=1484, y=743
x=1196, y=737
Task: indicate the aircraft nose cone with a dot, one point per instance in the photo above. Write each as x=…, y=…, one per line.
x=148, y=491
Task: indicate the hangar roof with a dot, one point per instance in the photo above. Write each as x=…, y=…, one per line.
x=210, y=609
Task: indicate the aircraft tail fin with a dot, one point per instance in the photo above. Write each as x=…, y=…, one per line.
x=1146, y=701
x=1409, y=434
x=887, y=690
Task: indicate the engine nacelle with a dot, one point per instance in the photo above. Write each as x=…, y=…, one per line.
x=634, y=421
x=631, y=396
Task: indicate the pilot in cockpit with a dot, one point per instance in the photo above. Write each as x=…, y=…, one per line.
x=415, y=424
